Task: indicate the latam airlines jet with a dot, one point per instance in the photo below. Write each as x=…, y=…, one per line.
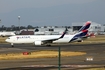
x=4, y=34
x=48, y=39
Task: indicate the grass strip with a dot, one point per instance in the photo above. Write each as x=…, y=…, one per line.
x=40, y=54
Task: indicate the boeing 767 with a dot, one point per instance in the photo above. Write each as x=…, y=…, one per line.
x=48, y=39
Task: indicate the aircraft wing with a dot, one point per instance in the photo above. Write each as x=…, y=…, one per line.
x=53, y=39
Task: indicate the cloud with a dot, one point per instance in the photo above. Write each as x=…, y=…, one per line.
x=10, y=5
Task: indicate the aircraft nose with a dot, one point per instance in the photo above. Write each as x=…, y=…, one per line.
x=6, y=40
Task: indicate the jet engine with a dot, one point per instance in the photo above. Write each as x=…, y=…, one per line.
x=38, y=42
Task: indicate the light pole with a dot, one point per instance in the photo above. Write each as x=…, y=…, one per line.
x=59, y=58
x=0, y=20
x=19, y=21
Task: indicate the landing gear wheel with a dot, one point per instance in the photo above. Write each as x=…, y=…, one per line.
x=48, y=45
x=12, y=45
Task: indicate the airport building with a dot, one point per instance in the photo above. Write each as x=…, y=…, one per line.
x=51, y=30
x=94, y=28
x=56, y=30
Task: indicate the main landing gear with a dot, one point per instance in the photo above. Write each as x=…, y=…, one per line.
x=12, y=45
x=48, y=45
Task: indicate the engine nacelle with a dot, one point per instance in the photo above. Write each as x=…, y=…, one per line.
x=38, y=42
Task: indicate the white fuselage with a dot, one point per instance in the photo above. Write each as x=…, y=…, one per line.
x=33, y=38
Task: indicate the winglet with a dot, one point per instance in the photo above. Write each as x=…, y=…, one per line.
x=64, y=33
x=86, y=26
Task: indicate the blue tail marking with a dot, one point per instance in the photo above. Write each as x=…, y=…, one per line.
x=86, y=26
x=79, y=35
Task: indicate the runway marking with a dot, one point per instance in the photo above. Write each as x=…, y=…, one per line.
x=64, y=66
x=67, y=66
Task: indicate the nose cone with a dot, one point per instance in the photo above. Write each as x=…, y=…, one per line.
x=6, y=40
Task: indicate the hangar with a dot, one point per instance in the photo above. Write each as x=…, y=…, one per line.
x=95, y=28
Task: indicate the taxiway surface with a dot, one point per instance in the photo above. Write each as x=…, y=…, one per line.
x=95, y=51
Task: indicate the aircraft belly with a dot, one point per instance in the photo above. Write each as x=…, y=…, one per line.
x=61, y=41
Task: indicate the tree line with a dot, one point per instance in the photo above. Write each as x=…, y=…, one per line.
x=16, y=28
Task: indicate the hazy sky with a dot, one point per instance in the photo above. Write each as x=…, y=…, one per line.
x=51, y=12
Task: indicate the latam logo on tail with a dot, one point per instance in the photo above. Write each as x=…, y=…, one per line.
x=86, y=26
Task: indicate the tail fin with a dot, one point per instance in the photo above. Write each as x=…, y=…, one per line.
x=79, y=35
x=86, y=26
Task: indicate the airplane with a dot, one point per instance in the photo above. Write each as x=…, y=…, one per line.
x=30, y=38
x=4, y=34
x=47, y=39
